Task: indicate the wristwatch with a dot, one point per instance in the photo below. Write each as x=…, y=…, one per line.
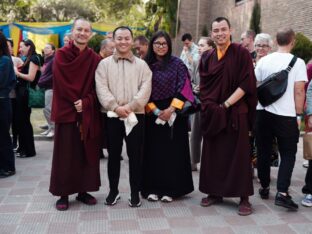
x=226, y=104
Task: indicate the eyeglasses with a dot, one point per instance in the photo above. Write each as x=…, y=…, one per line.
x=158, y=44
x=262, y=46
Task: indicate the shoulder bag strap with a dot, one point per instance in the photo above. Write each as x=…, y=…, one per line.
x=291, y=64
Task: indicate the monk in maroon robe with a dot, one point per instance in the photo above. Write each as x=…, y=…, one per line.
x=228, y=95
x=75, y=110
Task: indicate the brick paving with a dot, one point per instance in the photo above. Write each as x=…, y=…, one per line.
x=26, y=206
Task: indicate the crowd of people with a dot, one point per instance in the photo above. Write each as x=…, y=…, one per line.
x=135, y=90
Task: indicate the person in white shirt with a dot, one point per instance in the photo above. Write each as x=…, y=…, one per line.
x=279, y=119
x=189, y=53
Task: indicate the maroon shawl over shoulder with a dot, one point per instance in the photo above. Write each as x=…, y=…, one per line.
x=218, y=81
x=73, y=79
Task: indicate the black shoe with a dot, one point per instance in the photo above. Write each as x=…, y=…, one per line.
x=112, y=198
x=15, y=149
x=285, y=201
x=134, y=200
x=44, y=127
x=264, y=193
x=24, y=155
x=102, y=154
x=6, y=173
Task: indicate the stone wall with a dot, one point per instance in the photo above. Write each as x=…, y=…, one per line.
x=275, y=14
x=296, y=14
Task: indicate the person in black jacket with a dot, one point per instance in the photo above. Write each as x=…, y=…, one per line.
x=28, y=76
x=7, y=82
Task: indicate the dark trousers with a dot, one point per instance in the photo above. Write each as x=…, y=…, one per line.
x=134, y=142
x=14, y=123
x=7, y=160
x=286, y=131
x=307, y=188
x=26, y=134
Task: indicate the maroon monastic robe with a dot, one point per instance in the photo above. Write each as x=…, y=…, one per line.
x=75, y=165
x=226, y=162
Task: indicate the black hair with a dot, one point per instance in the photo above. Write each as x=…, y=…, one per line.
x=251, y=34
x=4, y=49
x=151, y=56
x=142, y=39
x=32, y=50
x=219, y=19
x=122, y=28
x=187, y=36
x=52, y=46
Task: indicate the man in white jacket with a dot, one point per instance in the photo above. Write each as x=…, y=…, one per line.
x=123, y=86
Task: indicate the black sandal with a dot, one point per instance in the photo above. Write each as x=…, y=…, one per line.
x=86, y=198
x=62, y=204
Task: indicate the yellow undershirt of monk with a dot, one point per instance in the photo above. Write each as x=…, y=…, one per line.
x=222, y=53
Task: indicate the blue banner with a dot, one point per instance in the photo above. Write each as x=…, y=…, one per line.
x=5, y=29
x=45, y=30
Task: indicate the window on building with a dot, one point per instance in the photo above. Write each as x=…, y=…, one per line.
x=239, y=1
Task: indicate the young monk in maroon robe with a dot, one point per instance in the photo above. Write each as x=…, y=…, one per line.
x=228, y=95
x=75, y=110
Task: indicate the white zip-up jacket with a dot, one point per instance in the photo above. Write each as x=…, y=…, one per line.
x=120, y=81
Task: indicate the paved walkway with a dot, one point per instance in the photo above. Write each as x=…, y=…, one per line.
x=26, y=206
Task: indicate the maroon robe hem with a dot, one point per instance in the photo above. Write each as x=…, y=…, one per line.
x=70, y=171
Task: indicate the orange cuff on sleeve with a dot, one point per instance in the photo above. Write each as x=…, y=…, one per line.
x=176, y=103
x=150, y=107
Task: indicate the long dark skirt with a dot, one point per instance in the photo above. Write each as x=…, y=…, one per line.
x=71, y=172
x=166, y=161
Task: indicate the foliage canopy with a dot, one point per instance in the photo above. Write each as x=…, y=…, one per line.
x=152, y=14
x=303, y=47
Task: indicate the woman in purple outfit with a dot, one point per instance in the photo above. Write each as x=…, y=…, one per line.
x=166, y=163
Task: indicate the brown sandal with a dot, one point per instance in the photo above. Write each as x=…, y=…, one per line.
x=244, y=208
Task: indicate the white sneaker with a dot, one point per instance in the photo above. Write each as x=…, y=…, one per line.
x=152, y=197
x=45, y=132
x=305, y=163
x=307, y=201
x=166, y=199
x=50, y=134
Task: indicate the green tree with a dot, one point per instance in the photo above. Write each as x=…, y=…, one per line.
x=161, y=15
x=95, y=42
x=205, y=32
x=56, y=10
x=115, y=10
x=303, y=47
x=256, y=18
x=18, y=10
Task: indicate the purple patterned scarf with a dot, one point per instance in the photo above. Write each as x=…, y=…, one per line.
x=171, y=81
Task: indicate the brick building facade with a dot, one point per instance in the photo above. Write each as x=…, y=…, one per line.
x=194, y=15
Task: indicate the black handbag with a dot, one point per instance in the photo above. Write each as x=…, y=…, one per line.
x=274, y=86
x=189, y=107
